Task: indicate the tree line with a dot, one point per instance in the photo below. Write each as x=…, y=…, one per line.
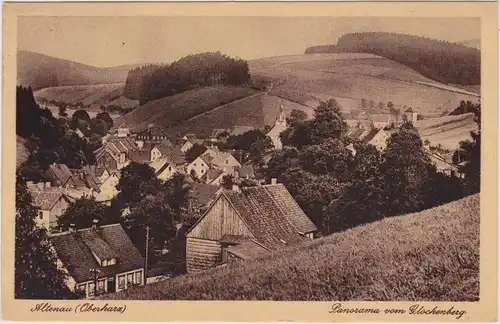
x=48, y=139
x=439, y=60
x=205, y=69
x=339, y=188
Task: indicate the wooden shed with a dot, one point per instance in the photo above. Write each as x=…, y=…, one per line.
x=246, y=225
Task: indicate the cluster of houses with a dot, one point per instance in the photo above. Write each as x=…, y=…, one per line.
x=238, y=223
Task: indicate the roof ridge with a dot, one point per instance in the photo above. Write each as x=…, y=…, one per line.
x=83, y=229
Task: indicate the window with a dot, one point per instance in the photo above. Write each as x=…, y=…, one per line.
x=121, y=282
x=40, y=214
x=169, y=168
x=91, y=289
x=130, y=279
x=138, y=277
x=105, y=263
x=82, y=287
x=227, y=161
x=100, y=286
x=111, y=261
x=195, y=164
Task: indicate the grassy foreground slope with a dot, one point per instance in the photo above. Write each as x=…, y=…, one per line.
x=349, y=77
x=430, y=255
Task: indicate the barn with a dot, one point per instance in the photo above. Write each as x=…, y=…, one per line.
x=246, y=225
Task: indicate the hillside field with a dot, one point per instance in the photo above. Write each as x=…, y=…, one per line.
x=349, y=77
x=447, y=130
x=90, y=96
x=432, y=255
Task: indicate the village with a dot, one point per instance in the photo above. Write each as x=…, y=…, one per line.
x=238, y=215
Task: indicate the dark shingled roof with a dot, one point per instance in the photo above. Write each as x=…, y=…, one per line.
x=109, y=241
x=45, y=198
x=203, y=193
x=371, y=134
x=58, y=174
x=140, y=156
x=248, y=250
x=272, y=214
x=246, y=170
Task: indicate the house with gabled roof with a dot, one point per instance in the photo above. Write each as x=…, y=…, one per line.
x=114, y=153
x=188, y=141
x=122, y=130
x=108, y=188
x=245, y=225
x=58, y=175
x=381, y=120
x=164, y=168
x=100, y=259
x=213, y=177
x=153, y=133
x=280, y=125
x=52, y=202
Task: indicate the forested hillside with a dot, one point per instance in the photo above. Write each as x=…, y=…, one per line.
x=192, y=71
x=442, y=61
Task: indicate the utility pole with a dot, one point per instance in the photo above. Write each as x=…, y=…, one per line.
x=95, y=272
x=146, y=256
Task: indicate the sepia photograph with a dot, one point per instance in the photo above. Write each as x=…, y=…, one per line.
x=248, y=158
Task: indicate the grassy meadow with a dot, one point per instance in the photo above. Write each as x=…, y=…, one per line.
x=307, y=79
x=432, y=255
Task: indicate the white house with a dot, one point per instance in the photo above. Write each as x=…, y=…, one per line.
x=279, y=126
x=164, y=168
x=108, y=187
x=200, y=166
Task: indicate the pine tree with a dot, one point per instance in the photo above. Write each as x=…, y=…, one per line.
x=36, y=273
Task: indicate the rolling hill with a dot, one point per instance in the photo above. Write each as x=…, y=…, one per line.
x=169, y=112
x=432, y=255
x=349, y=77
x=41, y=71
x=90, y=96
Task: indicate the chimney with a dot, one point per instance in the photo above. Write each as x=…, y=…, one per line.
x=95, y=224
x=71, y=228
x=236, y=188
x=274, y=181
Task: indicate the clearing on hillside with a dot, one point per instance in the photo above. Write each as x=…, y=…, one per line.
x=90, y=96
x=172, y=111
x=447, y=130
x=430, y=255
x=255, y=111
x=307, y=79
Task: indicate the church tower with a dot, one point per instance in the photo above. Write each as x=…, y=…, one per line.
x=281, y=120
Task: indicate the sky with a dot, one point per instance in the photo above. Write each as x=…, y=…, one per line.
x=112, y=41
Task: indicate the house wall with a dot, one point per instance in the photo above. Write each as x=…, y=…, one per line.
x=57, y=210
x=379, y=141
x=186, y=146
x=203, y=249
x=199, y=166
x=155, y=154
x=108, y=188
x=106, y=160
x=87, y=286
x=167, y=173
x=202, y=254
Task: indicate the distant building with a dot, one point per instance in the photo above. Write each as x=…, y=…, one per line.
x=58, y=175
x=198, y=166
x=101, y=258
x=444, y=166
x=153, y=133
x=279, y=126
x=411, y=116
x=51, y=203
x=189, y=141
x=381, y=120
x=246, y=225
x=108, y=187
x=164, y=168
x=114, y=153
x=213, y=177
x=240, y=130
x=377, y=138
x=219, y=135
x=123, y=130
x=244, y=172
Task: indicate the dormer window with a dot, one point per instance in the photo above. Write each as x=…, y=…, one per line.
x=109, y=262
